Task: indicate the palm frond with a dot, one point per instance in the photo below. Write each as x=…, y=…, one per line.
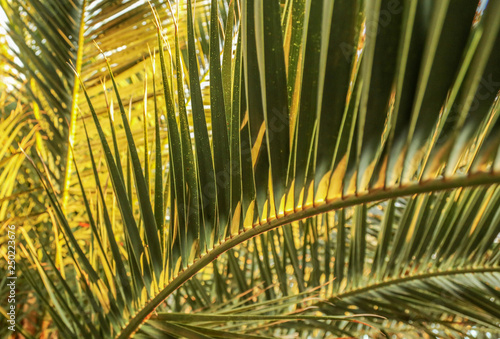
x=365, y=105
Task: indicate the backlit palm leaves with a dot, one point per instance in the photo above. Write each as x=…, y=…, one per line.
x=369, y=128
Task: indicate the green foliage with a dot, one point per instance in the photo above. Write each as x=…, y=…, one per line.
x=355, y=142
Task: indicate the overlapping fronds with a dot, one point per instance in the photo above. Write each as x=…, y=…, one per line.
x=360, y=102
x=20, y=131
x=46, y=36
x=427, y=263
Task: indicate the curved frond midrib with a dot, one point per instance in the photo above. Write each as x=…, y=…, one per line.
x=285, y=218
x=418, y=276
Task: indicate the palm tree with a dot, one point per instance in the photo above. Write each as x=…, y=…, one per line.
x=256, y=169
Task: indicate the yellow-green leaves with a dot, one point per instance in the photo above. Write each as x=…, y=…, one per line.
x=336, y=118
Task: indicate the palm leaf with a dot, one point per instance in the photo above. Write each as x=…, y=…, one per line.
x=376, y=107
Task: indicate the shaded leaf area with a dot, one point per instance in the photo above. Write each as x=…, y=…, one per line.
x=364, y=102
x=428, y=264
x=244, y=317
